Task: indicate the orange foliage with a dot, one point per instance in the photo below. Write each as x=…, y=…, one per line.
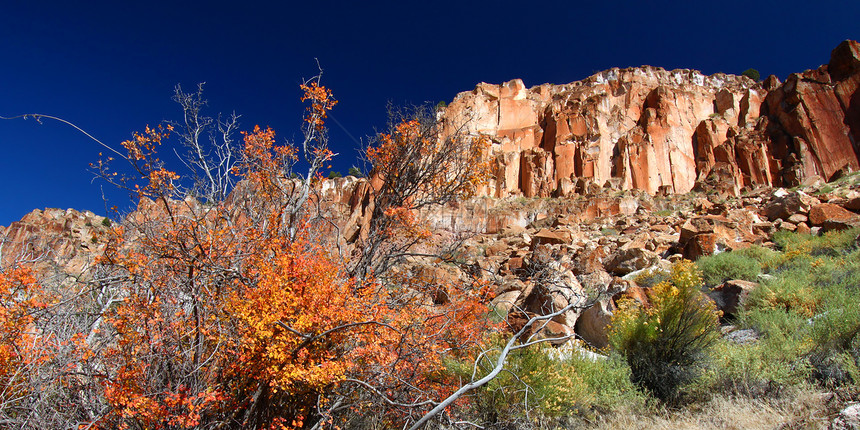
x=224, y=316
x=414, y=165
x=322, y=101
x=262, y=158
x=22, y=346
x=288, y=326
x=413, y=152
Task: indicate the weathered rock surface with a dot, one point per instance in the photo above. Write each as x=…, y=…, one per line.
x=651, y=129
x=54, y=241
x=848, y=418
x=833, y=217
x=815, y=118
x=730, y=296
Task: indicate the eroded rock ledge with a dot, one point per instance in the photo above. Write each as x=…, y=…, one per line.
x=655, y=130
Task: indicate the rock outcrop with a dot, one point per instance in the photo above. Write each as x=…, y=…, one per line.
x=651, y=129
x=54, y=241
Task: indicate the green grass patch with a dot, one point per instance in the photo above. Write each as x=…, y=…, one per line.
x=745, y=264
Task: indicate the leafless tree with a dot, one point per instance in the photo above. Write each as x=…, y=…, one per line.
x=211, y=151
x=420, y=161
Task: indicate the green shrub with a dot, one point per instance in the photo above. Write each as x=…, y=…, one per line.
x=810, y=328
x=792, y=291
x=809, y=312
x=835, y=334
x=651, y=277
x=726, y=266
x=765, y=256
x=761, y=369
x=106, y=222
x=752, y=74
x=744, y=264
x=832, y=242
x=666, y=344
x=533, y=384
x=538, y=386
x=333, y=175
x=610, y=382
x=355, y=171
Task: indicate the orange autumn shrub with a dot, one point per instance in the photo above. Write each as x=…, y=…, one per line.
x=21, y=298
x=233, y=314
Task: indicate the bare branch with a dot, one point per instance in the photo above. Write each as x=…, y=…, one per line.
x=38, y=117
x=500, y=364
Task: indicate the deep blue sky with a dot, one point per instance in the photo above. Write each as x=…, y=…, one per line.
x=110, y=67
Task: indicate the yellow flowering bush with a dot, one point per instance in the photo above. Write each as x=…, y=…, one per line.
x=664, y=344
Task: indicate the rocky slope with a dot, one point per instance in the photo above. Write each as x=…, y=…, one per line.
x=656, y=130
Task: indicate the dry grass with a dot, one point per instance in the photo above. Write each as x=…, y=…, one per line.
x=801, y=410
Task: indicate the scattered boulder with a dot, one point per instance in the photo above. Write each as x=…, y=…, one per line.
x=700, y=245
x=551, y=237
x=592, y=326
x=786, y=205
x=629, y=260
x=633, y=292
x=730, y=296
x=833, y=217
x=504, y=302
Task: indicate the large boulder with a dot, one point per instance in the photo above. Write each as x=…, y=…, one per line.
x=833, y=217
x=629, y=260
x=731, y=295
x=593, y=325
x=785, y=204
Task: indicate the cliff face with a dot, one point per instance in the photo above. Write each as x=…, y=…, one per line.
x=54, y=241
x=815, y=117
x=655, y=130
x=625, y=129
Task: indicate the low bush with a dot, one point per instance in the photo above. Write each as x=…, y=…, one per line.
x=532, y=385
x=651, y=277
x=835, y=335
x=610, y=381
x=791, y=292
x=752, y=74
x=744, y=264
x=835, y=242
x=758, y=370
x=538, y=386
x=666, y=344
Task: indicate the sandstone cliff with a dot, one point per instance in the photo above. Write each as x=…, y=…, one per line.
x=54, y=241
x=656, y=130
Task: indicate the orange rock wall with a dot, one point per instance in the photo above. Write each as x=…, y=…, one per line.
x=650, y=129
